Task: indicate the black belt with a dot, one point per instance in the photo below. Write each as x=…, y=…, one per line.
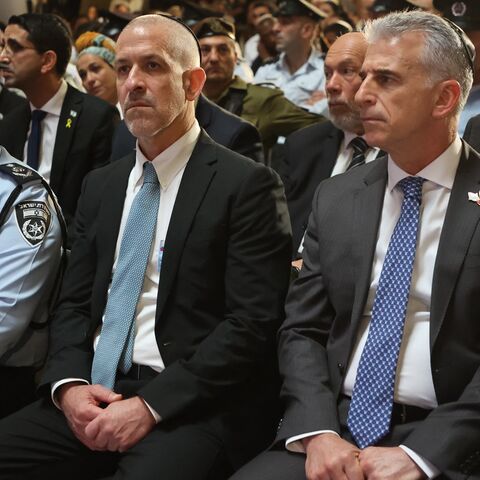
x=407, y=413
x=403, y=413
x=139, y=372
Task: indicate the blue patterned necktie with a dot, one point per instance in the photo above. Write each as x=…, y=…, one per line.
x=115, y=347
x=33, y=146
x=372, y=399
x=359, y=147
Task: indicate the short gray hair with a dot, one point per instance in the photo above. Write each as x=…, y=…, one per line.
x=444, y=55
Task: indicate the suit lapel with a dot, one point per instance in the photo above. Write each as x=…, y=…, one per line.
x=461, y=220
x=71, y=109
x=368, y=205
x=110, y=215
x=198, y=174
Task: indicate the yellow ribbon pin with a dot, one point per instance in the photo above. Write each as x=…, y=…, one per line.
x=69, y=123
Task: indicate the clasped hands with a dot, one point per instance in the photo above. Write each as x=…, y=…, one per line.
x=329, y=457
x=117, y=427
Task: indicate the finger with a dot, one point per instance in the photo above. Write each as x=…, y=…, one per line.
x=88, y=413
x=352, y=468
x=93, y=428
x=102, y=394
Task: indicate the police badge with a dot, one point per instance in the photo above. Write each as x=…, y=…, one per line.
x=33, y=220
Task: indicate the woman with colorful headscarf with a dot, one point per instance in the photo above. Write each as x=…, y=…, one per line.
x=96, y=55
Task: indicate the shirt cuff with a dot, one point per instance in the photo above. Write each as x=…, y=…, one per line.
x=294, y=444
x=428, y=468
x=155, y=415
x=59, y=384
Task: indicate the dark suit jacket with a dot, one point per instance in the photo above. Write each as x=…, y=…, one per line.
x=472, y=132
x=10, y=101
x=224, y=276
x=222, y=126
x=79, y=148
x=325, y=306
x=309, y=157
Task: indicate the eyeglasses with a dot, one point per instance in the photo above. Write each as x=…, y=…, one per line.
x=12, y=47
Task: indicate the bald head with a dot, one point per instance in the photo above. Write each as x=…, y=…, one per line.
x=348, y=45
x=158, y=80
x=342, y=70
x=177, y=40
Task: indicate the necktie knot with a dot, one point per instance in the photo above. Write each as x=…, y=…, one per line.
x=38, y=115
x=412, y=187
x=149, y=173
x=359, y=145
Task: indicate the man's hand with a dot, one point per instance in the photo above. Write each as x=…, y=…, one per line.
x=80, y=405
x=329, y=457
x=383, y=463
x=120, y=426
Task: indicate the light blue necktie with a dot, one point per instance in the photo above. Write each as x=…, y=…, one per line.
x=115, y=346
x=372, y=399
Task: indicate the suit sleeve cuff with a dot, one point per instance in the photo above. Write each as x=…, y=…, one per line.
x=58, y=384
x=428, y=468
x=294, y=444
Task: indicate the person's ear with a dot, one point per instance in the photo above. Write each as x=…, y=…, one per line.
x=49, y=61
x=193, y=81
x=446, y=99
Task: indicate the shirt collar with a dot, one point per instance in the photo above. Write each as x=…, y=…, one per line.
x=348, y=137
x=441, y=171
x=54, y=105
x=168, y=163
x=312, y=61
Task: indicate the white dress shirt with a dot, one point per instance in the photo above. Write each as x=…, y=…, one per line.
x=170, y=166
x=49, y=131
x=413, y=382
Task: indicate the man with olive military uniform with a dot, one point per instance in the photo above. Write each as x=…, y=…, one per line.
x=266, y=107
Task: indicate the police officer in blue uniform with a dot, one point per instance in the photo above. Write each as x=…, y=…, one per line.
x=299, y=69
x=30, y=262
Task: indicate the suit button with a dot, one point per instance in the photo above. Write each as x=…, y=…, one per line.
x=341, y=367
x=166, y=344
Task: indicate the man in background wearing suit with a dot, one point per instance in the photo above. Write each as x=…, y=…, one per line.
x=163, y=344
x=315, y=153
x=379, y=350
x=63, y=133
x=472, y=132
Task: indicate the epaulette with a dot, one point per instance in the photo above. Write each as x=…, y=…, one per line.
x=22, y=174
x=269, y=85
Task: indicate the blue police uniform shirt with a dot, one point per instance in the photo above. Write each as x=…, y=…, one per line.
x=299, y=86
x=30, y=253
x=472, y=108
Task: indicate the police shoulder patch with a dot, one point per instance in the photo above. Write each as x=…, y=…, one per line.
x=20, y=173
x=33, y=220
